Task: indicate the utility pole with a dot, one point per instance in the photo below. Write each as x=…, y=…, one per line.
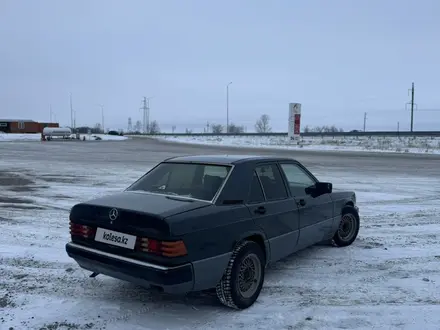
x=144, y=110
x=50, y=107
x=365, y=120
x=398, y=127
x=130, y=125
x=146, y=113
x=102, y=117
x=412, y=107
x=227, y=107
x=71, y=112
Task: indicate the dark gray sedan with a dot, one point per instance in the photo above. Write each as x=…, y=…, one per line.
x=196, y=223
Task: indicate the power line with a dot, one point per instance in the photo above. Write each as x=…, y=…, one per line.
x=416, y=109
x=436, y=110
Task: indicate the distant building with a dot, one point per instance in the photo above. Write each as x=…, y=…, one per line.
x=23, y=126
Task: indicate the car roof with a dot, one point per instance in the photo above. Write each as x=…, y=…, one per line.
x=225, y=159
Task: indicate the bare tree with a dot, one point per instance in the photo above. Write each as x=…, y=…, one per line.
x=154, y=127
x=217, y=128
x=188, y=131
x=262, y=124
x=137, y=126
x=235, y=129
x=333, y=129
x=97, y=129
x=324, y=129
x=317, y=129
x=307, y=129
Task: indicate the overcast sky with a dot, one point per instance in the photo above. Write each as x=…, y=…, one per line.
x=338, y=58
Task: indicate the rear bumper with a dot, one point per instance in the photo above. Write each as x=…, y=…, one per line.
x=177, y=280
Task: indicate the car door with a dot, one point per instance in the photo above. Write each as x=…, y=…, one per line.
x=315, y=213
x=273, y=210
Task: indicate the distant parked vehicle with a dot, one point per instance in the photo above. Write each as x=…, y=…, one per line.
x=195, y=223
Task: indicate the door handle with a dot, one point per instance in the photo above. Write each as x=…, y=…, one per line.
x=302, y=202
x=260, y=210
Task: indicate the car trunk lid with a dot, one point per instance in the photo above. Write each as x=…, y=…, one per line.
x=95, y=223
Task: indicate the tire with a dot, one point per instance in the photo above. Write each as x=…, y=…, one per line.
x=231, y=291
x=348, y=228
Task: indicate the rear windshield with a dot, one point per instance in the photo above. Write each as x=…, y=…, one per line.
x=182, y=179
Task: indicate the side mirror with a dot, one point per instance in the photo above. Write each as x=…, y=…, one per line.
x=324, y=188
x=319, y=188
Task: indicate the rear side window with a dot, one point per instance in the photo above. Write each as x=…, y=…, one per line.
x=272, y=181
x=256, y=194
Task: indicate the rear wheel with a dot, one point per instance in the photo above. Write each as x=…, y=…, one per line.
x=348, y=227
x=243, y=279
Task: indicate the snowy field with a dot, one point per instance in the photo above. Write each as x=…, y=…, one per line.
x=388, y=279
x=8, y=137
x=430, y=145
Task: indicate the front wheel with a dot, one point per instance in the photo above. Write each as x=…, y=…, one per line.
x=243, y=279
x=348, y=227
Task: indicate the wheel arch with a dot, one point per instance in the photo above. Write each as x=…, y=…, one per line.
x=259, y=238
x=349, y=204
x=345, y=205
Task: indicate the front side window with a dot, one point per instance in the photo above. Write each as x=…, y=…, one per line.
x=183, y=179
x=298, y=179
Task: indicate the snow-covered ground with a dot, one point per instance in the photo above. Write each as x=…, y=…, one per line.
x=374, y=143
x=9, y=137
x=388, y=279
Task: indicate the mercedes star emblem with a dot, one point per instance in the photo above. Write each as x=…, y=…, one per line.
x=113, y=214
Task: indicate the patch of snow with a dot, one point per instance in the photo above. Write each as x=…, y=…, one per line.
x=105, y=137
x=388, y=279
x=426, y=145
x=13, y=137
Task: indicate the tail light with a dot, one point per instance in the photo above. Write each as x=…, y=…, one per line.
x=167, y=249
x=164, y=248
x=81, y=230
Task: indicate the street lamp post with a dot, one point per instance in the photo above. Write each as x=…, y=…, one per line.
x=227, y=107
x=102, y=117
